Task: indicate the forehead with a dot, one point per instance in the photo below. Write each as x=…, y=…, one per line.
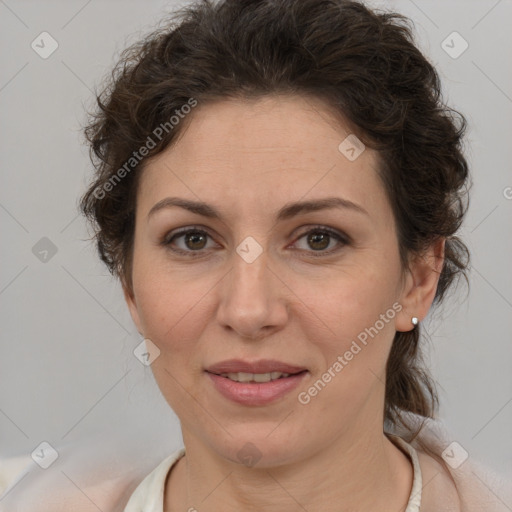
x=262, y=152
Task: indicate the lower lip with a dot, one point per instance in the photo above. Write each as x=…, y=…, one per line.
x=256, y=393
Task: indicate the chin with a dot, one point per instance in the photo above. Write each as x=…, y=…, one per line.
x=259, y=449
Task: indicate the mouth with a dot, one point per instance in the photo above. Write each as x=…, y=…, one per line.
x=262, y=366
x=256, y=383
x=256, y=377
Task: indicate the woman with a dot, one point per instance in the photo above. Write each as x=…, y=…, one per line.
x=286, y=224
x=279, y=189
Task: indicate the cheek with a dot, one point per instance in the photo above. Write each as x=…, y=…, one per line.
x=168, y=308
x=172, y=315
x=175, y=305
x=355, y=298
x=351, y=351
x=353, y=317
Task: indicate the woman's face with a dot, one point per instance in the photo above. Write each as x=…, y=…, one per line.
x=316, y=290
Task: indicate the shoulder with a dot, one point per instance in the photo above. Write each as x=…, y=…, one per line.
x=439, y=492
x=433, y=488
x=38, y=491
x=80, y=488
x=470, y=487
x=10, y=470
x=452, y=479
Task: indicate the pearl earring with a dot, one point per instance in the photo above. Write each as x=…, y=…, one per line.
x=414, y=321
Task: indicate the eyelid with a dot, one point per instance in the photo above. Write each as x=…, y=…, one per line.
x=342, y=239
x=340, y=236
x=331, y=231
x=181, y=231
x=169, y=237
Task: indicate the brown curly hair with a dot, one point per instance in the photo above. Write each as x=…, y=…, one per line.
x=362, y=62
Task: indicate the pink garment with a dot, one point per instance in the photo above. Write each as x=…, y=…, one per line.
x=452, y=483
x=103, y=473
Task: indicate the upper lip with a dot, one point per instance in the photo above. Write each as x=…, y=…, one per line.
x=260, y=366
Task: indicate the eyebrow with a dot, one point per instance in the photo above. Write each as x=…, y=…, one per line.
x=286, y=212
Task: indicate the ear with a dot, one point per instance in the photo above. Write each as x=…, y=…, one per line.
x=129, y=297
x=420, y=285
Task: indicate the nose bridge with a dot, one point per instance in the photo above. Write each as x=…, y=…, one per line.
x=249, y=288
x=250, y=300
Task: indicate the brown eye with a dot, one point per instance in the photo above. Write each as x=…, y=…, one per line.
x=195, y=240
x=188, y=241
x=318, y=240
x=322, y=241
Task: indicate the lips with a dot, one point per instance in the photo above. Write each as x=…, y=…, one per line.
x=261, y=366
x=255, y=393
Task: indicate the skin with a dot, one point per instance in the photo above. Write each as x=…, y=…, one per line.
x=248, y=159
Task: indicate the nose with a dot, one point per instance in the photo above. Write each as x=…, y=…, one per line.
x=253, y=298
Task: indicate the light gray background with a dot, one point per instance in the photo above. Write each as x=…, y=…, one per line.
x=67, y=371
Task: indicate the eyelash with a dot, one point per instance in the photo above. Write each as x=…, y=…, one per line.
x=341, y=238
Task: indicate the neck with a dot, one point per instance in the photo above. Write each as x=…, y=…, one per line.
x=369, y=473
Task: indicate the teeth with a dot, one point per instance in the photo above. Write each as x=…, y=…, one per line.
x=254, y=377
